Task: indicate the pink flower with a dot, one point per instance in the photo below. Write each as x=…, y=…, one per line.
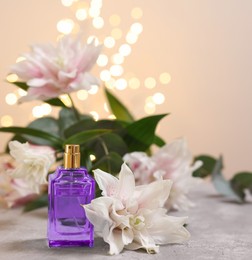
x=172, y=161
x=50, y=72
x=142, y=165
x=20, y=194
x=13, y=192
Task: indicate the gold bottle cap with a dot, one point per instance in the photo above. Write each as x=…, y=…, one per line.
x=72, y=156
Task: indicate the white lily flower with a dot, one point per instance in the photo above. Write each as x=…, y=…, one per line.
x=172, y=161
x=133, y=217
x=33, y=163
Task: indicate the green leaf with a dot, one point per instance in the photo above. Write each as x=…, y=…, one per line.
x=101, y=146
x=48, y=139
x=109, y=124
x=52, y=101
x=55, y=102
x=207, y=168
x=110, y=163
x=109, y=142
x=39, y=202
x=21, y=85
x=67, y=118
x=86, y=136
x=240, y=182
x=90, y=124
x=80, y=126
x=140, y=135
x=85, y=157
x=118, y=109
x=158, y=141
x=49, y=124
x=221, y=184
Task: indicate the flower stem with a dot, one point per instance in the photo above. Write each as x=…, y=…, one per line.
x=76, y=113
x=105, y=148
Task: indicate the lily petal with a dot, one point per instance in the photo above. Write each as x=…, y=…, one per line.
x=106, y=182
x=169, y=230
x=153, y=195
x=37, y=82
x=115, y=241
x=98, y=213
x=143, y=240
x=120, y=217
x=126, y=182
x=127, y=236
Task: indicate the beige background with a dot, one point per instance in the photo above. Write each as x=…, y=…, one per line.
x=206, y=46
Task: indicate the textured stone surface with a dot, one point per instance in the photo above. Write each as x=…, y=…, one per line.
x=219, y=229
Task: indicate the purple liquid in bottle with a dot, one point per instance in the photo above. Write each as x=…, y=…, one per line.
x=68, y=189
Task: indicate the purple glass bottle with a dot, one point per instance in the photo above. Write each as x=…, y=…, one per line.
x=70, y=187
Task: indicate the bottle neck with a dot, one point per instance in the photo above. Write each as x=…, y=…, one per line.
x=71, y=160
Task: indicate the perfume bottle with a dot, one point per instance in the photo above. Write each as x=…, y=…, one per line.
x=70, y=187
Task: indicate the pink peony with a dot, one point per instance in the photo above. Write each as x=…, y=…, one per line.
x=50, y=72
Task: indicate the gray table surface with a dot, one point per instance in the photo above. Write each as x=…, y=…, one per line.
x=219, y=230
